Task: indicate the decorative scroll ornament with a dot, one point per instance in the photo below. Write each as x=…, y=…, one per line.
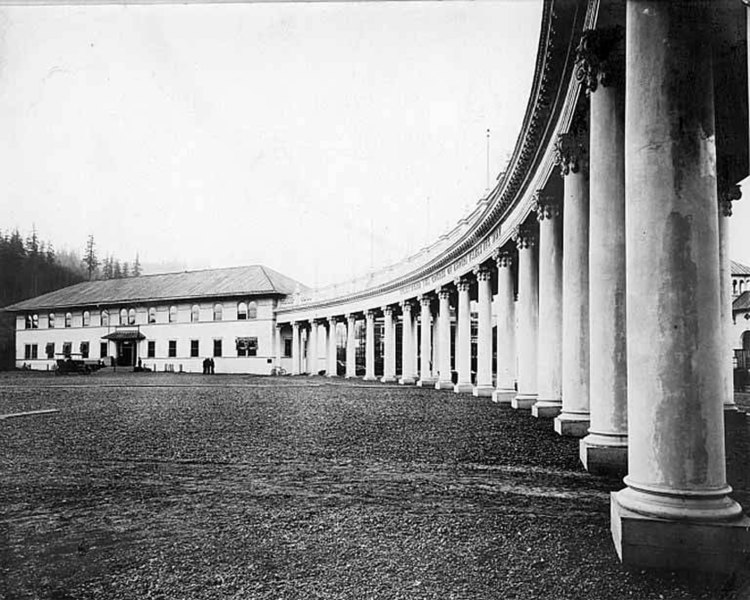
x=370, y=315
x=503, y=258
x=524, y=236
x=388, y=310
x=600, y=58
x=482, y=273
x=726, y=197
x=406, y=306
x=570, y=153
x=547, y=206
x=462, y=284
x=444, y=293
x=425, y=300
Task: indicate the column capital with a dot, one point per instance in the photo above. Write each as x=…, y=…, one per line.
x=406, y=305
x=727, y=196
x=425, y=299
x=524, y=236
x=444, y=293
x=351, y=317
x=503, y=258
x=600, y=58
x=333, y=320
x=462, y=284
x=370, y=314
x=570, y=153
x=482, y=273
x=294, y=324
x=547, y=206
x=388, y=310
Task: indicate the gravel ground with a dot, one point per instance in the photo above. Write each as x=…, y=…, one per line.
x=181, y=486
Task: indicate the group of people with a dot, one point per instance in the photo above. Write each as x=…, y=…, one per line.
x=208, y=366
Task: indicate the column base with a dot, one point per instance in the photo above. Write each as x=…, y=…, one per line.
x=572, y=424
x=369, y=378
x=428, y=382
x=388, y=379
x=523, y=401
x=463, y=388
x=443, y=384
x=483, y=391
x=546, y=409
x=503, y=396
x=655, y=543
x=604, y=455
x=407, y=380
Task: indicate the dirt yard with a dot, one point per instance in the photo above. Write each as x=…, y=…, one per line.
x=172, y=487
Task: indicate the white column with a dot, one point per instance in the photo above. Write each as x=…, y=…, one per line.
x=389, y=346
x=443, y=347
x=415, y=344
x=506, y=328
x=278, y=344
x=571, y=156
x=676, y=511
x=605, y=448
x=295, y=349
x=463, y=337
x=528, y=317
x=323, y=334
x=312, y=349
x=407, y=342
x=370, y=346
x=332, y=369
x=425, y=373
x=484, y=385
x=549, y=340
x=351, y=370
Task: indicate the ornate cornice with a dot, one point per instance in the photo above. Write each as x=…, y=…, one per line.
x=600, y=58
x=726, y=197
x=547, y=206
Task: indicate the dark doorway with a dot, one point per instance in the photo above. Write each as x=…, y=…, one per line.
x=126, y=353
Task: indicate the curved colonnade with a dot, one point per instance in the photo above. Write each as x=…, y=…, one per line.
x=604, y=245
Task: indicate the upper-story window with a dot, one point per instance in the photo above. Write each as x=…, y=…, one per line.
x=68, y=320
x=172, y=314
x=51, y=321
x=131, y=316
x=742, y=286
x=242, y=311
x=123, y=316
x=195, y=313
x=105, y=318
x=152, y=315
x=252, y=310
x=218, y=312
x=32, y=321
x=86, y=318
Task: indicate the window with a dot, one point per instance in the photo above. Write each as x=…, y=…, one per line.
x=131, y=316
x=172, y=348
x=287, y=347
x=105, y=318
x=247, y=346
x=172, y=314
x=28, y=322
x=67, y=349
x=152, y=315
x=194, y=348
x=217, y=347
x=218, y=312
x=242, y=311
x=30, y=352
x=51, y=321
x=35, y=321
x=68, y=320
x=151, y=352
x=84, y=349
x=123, y=316
x=252, y=310
x=195, y=313
x=86, y=318
x=49, y=350
x=103, y=349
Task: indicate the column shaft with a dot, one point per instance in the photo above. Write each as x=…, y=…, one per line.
x=312, y=349
x=484, y=385
x=278, y=345
x=675, y=511
x=445, y=376
x=389, y=346
x=295, y=349
x=425, y=372
x=370, y=346
x=528, y=318
x=549, y=356
x=351, y=370
x=407, y=342
x=506, y=329
x=332, y=369
x=463, y=338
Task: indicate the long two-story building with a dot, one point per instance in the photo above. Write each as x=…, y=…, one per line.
x=169, y=321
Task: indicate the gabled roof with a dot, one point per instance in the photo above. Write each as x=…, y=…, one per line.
x=739, y=268
x=255, y=280
x=741, y=302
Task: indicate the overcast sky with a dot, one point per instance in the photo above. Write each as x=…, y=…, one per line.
x=318, y=139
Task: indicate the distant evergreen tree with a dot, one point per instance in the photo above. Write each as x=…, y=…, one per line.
x=89, y=257
x=137, y=266
x=125, y=270
x=116, y=270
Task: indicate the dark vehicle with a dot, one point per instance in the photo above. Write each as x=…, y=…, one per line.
x=73, y=363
